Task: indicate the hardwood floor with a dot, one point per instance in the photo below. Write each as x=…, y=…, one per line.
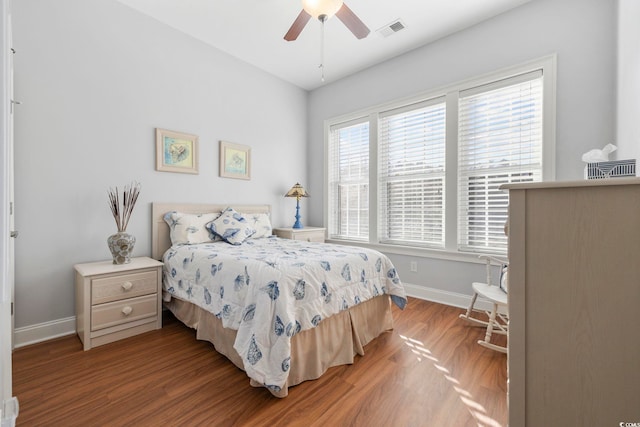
x=428, y=371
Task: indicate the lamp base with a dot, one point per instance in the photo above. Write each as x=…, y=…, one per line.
x=297, y=224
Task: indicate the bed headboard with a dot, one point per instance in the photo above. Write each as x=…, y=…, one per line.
x=160, y=240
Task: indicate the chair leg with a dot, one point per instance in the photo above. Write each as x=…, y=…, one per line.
x=492, y=320
x=473, y=301
x=468, y=314
x=490, y=329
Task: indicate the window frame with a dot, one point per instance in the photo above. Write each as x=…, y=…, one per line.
x=505, y=109
x=547, y=64
x=430, y=107
x=334, y=175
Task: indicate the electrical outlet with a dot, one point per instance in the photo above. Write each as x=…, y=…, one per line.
x=413, y=266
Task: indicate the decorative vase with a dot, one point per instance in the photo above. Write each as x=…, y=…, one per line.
x=121, y=246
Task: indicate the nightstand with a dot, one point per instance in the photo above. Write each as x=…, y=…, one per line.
x=308, y=234
x=116, y=301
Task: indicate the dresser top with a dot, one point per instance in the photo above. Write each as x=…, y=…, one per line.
x=569, y=184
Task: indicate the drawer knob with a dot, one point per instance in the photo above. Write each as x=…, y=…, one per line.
x=127, y=310
x=127, y=286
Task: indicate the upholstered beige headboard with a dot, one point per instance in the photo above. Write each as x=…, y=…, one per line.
x=160, y=240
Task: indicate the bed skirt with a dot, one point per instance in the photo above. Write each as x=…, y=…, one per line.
x=335, y=341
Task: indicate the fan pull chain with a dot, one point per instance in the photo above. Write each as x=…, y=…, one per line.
x=322, y=18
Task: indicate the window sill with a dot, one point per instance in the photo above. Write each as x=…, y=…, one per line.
x=417, y=252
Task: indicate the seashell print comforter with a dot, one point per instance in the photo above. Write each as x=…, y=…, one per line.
x=270, y=289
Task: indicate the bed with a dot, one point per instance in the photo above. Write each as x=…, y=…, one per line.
x=284, y=311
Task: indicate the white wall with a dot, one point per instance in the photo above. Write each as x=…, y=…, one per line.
x=581, y=32
x=96, y=78
x=628, y=105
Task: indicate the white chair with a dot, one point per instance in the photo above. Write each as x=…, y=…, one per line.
x=498, y=317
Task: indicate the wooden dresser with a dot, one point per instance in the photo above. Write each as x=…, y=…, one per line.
x=574, y=303
x=117, y=301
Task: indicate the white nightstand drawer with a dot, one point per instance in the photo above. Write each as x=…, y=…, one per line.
x=309, y=236
x=122, y=286
x=125, y=311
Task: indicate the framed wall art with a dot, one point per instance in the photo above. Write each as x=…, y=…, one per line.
x=176, y=151
x=235, y=160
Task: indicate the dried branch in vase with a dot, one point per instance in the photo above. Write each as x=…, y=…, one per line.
x=129, y=198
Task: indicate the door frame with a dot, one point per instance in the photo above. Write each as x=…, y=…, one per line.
x=6, y=208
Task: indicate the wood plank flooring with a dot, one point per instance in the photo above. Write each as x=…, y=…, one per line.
x=428, y=371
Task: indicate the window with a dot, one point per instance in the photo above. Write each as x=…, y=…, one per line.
x=349, y=181
x=499, y=142
x=411, y=174
x=426, y=173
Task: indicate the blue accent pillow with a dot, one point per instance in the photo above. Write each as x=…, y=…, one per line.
x=231, y=227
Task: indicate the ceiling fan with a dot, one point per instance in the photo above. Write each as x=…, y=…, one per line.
x=323, y=10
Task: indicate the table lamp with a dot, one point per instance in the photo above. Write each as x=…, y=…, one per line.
x=297, y=191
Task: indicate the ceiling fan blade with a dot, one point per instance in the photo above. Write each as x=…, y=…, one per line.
x=297, y=26
x=352, y=22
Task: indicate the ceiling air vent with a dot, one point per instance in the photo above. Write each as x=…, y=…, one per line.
x=391, y=28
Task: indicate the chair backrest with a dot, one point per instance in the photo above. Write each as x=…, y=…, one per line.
x=494, y=265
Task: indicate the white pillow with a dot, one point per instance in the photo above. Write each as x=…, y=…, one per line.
x=260, y=222
x=232, y=227
x=190, y=229
x=504, y=277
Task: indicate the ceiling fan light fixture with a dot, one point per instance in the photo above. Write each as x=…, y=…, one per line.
x=317, y=8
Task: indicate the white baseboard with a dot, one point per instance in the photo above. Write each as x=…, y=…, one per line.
x=44, y=331
x=453, y=299
x=58, y=328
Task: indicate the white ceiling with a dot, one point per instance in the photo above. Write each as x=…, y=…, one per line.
x=253, y=31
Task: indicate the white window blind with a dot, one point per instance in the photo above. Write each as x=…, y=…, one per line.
x=349, y=181
x=499, y=142
x=411, y=172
